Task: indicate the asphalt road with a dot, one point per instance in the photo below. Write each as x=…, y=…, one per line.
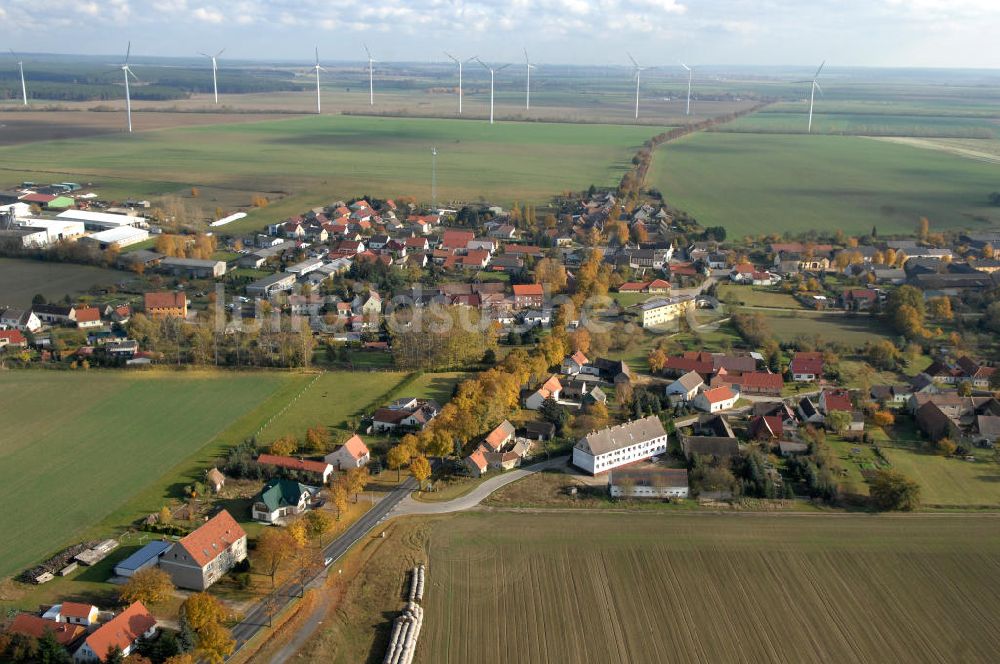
x=256, y=618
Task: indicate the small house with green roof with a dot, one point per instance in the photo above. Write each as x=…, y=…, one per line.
x=281, y=498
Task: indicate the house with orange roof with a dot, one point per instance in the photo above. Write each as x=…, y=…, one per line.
x=574, y=364
x=165, y=304
x=203, y=557
x=528, y=296
x=76, y=613
x=352, y=454
x=476, y=462
x=550, y=388
x=122, y=632
x=715, y=399
x=31, y=625
x=500, y=436
x=87, y=317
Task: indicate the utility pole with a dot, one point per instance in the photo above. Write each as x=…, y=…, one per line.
x=434, y=154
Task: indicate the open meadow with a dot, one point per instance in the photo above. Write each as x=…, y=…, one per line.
x=77, y=447
x=656, y=587
x=340, y=156
x=761, y=183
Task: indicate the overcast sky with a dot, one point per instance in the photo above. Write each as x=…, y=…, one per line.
x=914, y=33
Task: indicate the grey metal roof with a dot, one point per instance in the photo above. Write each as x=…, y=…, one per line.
x=623, y=435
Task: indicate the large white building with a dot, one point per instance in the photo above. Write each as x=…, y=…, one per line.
x=123, y=236
x=663, y=310
x=55, y=229
x=600, y=451
x=102, y=220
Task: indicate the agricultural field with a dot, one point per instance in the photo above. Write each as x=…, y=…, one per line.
x=756, y=297
x=777, y=121
x=779, y=183
x=844, y=328
x=598, y=587
x=331, y=156
x=22, y=279
x=77, y=447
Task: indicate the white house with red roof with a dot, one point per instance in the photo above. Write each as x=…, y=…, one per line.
x=201, y=558
x=496, y=440
x=715, y=399
x=574, y=364
x=122, y=632
x=476, y=462
x=12, y=339
x=831, y=400
x=87, y=317
x=806, y=367
x=550, y=388
x=352, y=454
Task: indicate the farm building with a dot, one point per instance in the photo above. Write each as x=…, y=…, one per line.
x=97, y=221
x=117, y=238
x=648, y=482
x=201, y=558
x=55, y=229
x=319, y=470
x=600, y=451
x=166, y=304
x=36, y=627
x=715, y=399
x=147, y=556
x=193, y=267
x=275, y=283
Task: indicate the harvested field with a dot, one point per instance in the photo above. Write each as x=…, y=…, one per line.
x=31, y=126
x=23, y=279
x=600, y=587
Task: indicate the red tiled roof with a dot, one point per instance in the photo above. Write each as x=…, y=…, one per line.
x=523, y=249
x=34, y=626
x=292, y=463
x=807, y=363
x=479, y=459
x=528, y=289
x=633, y=287
x=122, y=630
x=165, y=300
x=38, y=198
x=837, y=400
x=496, y=437
x=658, y=283
x=13, y=336
x=761, y=380
x=718, y=394
x=356, y=447
x=552, y=385
x=580, y=358
x=76, y=610
x=88, y=314
x=212, y=538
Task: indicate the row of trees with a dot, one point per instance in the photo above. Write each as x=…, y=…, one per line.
x=440, y=337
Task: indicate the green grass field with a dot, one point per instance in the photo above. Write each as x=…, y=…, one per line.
x=949, y=482
x=605, y=588
x=341, y=156
x=754, y=183
x=856, y=330
x=865, y=123
x=77, y=447
x=22, y=279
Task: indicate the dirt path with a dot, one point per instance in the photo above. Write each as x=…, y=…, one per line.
x=949, y=148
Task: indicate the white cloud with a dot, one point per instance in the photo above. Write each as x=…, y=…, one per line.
x=208, y=15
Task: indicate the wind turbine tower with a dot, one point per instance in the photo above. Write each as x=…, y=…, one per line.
x=459, y=63
x=371, y=76
x=638, y=72
x=492, y=71
x=215, y=69
x=20, y=66
x=126, y=71
x=318, y=68
x=527, y=90
x=812, y=94
x=690, y=74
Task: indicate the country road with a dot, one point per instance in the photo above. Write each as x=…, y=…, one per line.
x=257, y=617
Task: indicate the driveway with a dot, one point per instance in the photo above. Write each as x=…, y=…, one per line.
x=408, y=506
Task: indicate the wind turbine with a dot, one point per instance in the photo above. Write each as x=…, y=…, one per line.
x=126, y=71
x=459, y=63
x=812, y=93
x=492, y=71
x=690, y=74
x=215, y=68
x=638, y=72
x=318, y=68
x=527, y=90
x=20, y=65
x=371, y=76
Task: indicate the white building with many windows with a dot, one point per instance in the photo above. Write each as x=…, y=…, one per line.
x=600, y=451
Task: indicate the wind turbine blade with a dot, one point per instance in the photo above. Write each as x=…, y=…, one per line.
x=816, y=75
x=526, y=60
x=367, y=51
x=322, y=68
x=317, y=55
x=450, y=56
x=12, y=53
x=132, y=74
x=220, y=52
x=501, y=67
x=128, y=52
x=632, y=59
x=685, y=66
x=819, y=87
x=485, y=66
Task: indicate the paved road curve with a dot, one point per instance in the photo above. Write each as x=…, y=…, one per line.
x=256, y=618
